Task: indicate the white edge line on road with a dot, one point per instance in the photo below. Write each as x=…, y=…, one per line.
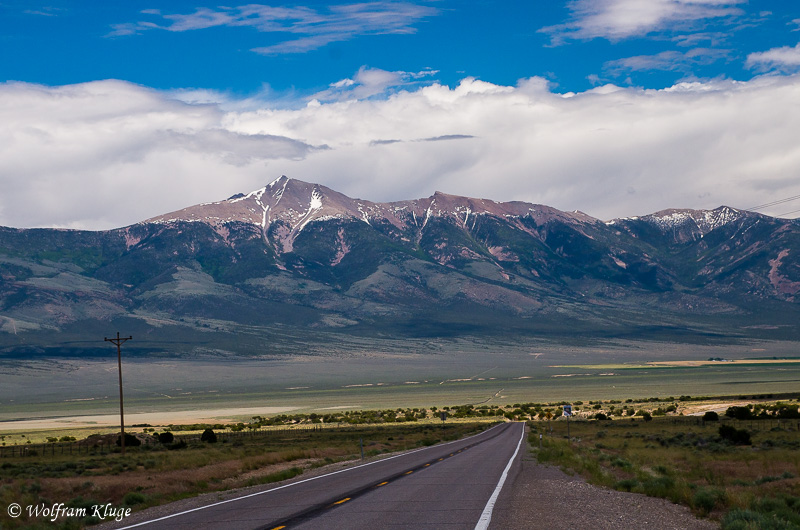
x=486, y=516
x=306, y=480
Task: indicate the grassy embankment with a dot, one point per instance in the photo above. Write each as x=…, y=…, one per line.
x=743, y=481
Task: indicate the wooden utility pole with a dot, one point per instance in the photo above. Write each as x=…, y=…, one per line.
x=118, y=341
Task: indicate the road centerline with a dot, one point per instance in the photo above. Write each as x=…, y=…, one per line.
x=354, y=494
x=484, y=436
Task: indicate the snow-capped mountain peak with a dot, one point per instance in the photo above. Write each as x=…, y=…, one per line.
x=286, y=206
x=295, y=204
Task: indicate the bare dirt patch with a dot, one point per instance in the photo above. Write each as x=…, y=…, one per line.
x=179, y=417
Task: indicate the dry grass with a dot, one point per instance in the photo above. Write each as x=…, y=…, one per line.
x=147, y=476
x=716, y=363
x=686, y=461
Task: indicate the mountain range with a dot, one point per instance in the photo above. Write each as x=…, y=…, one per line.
x=296, y=267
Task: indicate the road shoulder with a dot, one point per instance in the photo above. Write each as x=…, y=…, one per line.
x=543, y=496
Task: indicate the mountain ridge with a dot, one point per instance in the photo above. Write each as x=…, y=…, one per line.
x=319, y=191
x=298, y=256
x=308, y=202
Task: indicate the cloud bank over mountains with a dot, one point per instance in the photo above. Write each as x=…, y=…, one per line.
x=105, y=154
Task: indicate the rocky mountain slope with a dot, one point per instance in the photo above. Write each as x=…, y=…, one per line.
x=294, y=260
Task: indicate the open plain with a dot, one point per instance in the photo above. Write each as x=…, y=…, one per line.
x=67, y=392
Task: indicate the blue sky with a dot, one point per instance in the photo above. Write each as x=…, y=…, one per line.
x=614, y=107
x=303, y=47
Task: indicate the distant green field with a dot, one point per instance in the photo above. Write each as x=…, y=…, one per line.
x=459, y=372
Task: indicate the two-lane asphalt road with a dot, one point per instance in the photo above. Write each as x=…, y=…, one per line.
x=452, y=485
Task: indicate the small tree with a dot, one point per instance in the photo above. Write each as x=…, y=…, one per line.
x=166, y=437
x=710, y=416
x=788, y=412
x=208, y=436
x=734, y=435
x=130, y=440
x=646, y=416
x=739, y=413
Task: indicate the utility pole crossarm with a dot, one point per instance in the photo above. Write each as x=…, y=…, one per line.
x=119, y=341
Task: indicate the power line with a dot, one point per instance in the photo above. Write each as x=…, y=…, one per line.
x=119, y=341
x=773, y=203
x=787, y=213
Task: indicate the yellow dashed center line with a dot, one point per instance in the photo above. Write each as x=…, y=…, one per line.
x=341, y=501
x=409, y=472
x=441, y=459
x=426, y=465
x=278, y=527
x=382, y=484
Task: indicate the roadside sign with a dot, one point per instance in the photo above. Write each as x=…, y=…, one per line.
x=567, y=410
x=443, y=415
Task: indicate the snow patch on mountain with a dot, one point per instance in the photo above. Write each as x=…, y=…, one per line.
x=685, y=224
x=704, y=220
x=314, y=204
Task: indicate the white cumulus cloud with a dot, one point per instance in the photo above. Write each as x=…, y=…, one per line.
x=783, y=58
x=102, y=154
x=370, y=82
x=109, y=153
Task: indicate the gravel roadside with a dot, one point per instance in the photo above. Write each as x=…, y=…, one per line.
x=542, y=496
